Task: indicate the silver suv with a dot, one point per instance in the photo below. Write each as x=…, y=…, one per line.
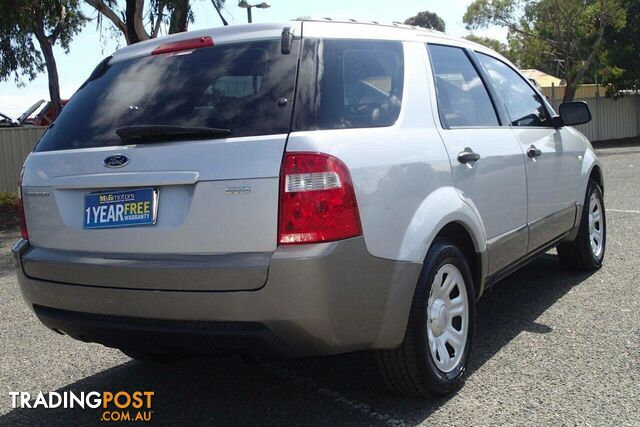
x=307, y=188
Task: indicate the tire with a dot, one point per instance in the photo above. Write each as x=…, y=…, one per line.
x=580, y=254
x=151, y=357
x=412, y=369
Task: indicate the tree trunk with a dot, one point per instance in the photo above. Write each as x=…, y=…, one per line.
x=217, y=6
x=569, y=91
x=111, y=15
x=179, y=17
x=134, y=22
x=129, y=14
x=52, y=72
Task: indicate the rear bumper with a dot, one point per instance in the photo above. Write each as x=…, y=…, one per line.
x=318, y=300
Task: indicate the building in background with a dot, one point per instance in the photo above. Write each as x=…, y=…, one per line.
x=542, y=79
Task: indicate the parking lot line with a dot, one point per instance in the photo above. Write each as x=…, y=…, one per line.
x=623, y=211
x=354, y=405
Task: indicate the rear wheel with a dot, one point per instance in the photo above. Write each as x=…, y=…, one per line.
x=433, y=356
x=586, y=251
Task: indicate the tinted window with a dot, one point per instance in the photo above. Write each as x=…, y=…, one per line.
x=349, y=84
x=523, y=103
x=234, y=86
x=462, y=97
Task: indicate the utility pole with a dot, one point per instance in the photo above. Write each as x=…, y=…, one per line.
x=245, y=5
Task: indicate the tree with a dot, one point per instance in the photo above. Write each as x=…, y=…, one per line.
x=427, y=19
x=622, y=55
x=494, y=44
x=565, y=34
x=25, y=23
x=137, y=25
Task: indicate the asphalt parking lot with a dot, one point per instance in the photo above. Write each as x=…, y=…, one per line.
x=552, y=347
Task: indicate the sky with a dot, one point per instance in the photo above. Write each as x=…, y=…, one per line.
x=91, y=45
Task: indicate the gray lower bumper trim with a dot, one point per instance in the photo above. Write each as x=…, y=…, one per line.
x=225, y=272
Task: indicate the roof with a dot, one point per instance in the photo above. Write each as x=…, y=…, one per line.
x=543, y=79
x=313, y=27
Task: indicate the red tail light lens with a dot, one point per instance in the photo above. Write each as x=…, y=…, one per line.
x=317, y=201
x=22, y=222
x=182, y=45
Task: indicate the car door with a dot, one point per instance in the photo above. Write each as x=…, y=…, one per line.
x=551, y=162
x=486, y=159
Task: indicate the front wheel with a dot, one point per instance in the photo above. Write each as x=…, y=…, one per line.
x=433, y=356
x=586, y=251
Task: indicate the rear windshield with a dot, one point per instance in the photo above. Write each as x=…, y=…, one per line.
x=235, y=86
x=349, y=84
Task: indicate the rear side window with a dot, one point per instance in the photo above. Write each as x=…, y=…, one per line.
x=234, y=86
x=463, y=99
x=349, y=84
x=522, y=102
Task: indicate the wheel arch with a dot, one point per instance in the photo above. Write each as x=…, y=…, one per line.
x=459, y=234
x=596, y=174
x=446, y=214
x=591, y=168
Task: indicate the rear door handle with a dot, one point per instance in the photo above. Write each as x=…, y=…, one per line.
x=468, y=156
x=532, y=152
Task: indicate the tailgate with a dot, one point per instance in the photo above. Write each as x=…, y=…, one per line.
x=209, y=203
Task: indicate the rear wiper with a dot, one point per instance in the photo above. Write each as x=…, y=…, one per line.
x=159, y=133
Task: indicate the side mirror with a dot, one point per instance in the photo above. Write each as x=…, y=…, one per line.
x=574, y=113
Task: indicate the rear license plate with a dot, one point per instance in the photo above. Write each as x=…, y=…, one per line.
x=120, y=208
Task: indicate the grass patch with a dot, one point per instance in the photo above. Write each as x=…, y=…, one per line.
x=8, y=200
x=8, y=211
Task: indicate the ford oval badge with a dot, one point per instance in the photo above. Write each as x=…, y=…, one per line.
x=116, y=161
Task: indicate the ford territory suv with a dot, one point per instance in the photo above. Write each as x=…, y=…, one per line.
x=301, y=189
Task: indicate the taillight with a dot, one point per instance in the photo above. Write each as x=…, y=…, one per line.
x=22, y=222
x=183, y=45
x=317, y=201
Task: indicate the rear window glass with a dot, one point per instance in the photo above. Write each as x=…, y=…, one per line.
x=349, y=84
x=235, y=86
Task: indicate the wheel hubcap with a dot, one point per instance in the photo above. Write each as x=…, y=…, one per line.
x=439, y=316
x=447, y=318
x=596, y=226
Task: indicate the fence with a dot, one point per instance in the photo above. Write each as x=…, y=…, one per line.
x=15, y=144
x=612, y=119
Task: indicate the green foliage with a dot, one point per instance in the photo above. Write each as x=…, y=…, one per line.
x=18, y=55
x=27, y=23
x=563, y=37
x=494, y=44
x=427, y=19
x=8, y=200
x=623, y=51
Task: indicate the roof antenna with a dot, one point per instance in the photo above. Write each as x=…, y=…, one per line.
x=215, y=4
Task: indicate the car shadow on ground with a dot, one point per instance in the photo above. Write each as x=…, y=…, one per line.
x=340, y=390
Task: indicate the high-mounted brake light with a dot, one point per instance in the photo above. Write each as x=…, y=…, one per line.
x=22, y=222
x=317, y=200
x=181, y=45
